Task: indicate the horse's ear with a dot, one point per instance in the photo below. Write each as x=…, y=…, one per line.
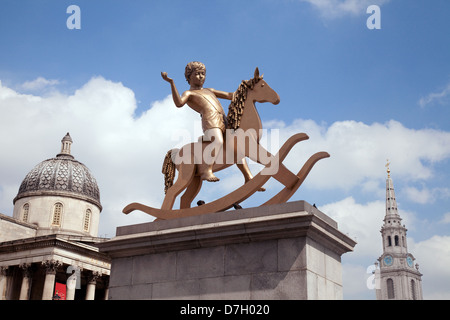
x=256, y=76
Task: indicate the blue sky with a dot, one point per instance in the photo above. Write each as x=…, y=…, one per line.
x=362, y=95
x=385, y=70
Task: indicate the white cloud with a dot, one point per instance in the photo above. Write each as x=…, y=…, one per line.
x=38, y=84
x=339, y=8
x=359, y=221
x=419, y=196
x=354, y=279
x=426, y=196
x=433, y=257
x=446, y=218
x=439, y=97
x=359, y=151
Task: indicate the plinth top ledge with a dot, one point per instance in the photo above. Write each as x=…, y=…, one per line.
x=231, y=215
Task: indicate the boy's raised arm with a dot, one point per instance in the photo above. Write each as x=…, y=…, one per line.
x=222, y=94
x=179, y=101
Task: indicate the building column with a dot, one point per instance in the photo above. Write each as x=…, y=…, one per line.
x=50, y=274
x=26, y=281
x=3, y=278
x=92, y=281
x=106, y=297
x=71, y=286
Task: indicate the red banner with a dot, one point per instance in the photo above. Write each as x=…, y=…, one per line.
x=60, y=291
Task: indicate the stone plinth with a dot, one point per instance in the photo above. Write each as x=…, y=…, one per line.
x=288, y=251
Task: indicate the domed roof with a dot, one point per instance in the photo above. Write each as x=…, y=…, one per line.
x=61, y=176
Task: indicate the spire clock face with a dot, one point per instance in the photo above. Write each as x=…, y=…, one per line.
x=409, y=261
x=388, y=260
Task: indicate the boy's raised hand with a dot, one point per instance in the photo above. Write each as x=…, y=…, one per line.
x=165, y=77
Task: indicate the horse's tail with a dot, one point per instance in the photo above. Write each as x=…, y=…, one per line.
x=168, y=170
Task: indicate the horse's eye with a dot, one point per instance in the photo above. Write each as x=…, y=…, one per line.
x=262, y=84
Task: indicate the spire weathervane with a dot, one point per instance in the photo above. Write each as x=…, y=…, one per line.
x=388, y=169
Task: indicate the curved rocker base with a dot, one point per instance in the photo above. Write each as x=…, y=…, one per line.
x=242, y=192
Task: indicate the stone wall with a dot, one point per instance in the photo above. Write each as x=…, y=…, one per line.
x=11, y=229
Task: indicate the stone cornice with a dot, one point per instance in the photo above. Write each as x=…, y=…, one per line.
x=49, y=241
x=54, y=193
x=394, y=271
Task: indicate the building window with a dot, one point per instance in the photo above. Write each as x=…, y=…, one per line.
x=389, y=241
x=87, y=220
x=396, y=241
x=390, y=288
x=26, y=210
x=57, y=213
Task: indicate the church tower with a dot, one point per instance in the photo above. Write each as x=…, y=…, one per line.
x=399, y=277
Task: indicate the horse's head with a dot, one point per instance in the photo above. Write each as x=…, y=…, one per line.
x=252, y=90
x=261, y=91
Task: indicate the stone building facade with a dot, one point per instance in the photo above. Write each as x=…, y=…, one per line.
x=53, y=234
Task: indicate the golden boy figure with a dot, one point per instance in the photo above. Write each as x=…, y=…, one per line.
x=205, y=102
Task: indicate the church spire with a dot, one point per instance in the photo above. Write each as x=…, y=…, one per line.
x=393, y=231
x=391, y=203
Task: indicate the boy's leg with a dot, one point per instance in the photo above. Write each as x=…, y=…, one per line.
x=210, y=153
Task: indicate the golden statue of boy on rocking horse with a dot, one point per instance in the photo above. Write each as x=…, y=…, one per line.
x=227, y=140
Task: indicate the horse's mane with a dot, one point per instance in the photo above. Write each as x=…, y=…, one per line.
x=236, y=107
x=168, y=170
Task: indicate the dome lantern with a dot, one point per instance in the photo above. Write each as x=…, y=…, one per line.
x=66, y=143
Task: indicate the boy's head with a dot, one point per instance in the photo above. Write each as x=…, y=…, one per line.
x=191, y=67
